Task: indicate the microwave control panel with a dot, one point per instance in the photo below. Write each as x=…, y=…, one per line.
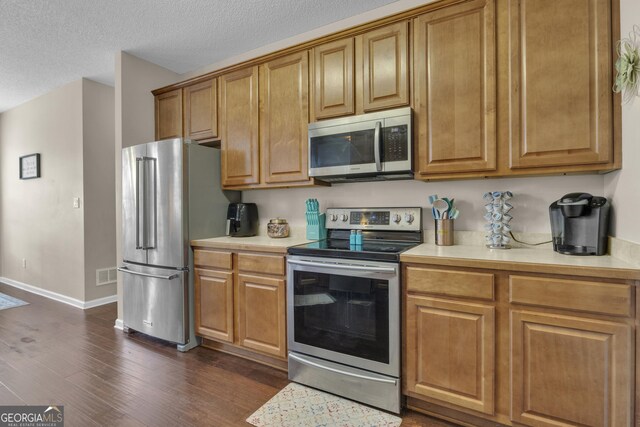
x=396, y=219
x=395, y=143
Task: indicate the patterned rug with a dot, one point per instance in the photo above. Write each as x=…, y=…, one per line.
x=9, y=302
x=300, y=406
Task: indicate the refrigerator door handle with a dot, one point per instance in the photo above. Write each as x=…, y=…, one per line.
x=140, y=191
x=150, y=210
x=155, y=276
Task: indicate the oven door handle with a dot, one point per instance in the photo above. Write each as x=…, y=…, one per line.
x=390, y=270
x=339, y=371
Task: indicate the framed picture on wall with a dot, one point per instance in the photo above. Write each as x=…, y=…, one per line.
x=30, y=166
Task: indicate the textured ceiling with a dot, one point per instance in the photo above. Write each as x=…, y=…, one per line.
x=48, y=43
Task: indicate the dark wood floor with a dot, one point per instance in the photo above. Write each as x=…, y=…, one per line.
x=51, y=353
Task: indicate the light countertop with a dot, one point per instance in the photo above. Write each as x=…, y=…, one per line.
x=523, y=259
x=255, y=243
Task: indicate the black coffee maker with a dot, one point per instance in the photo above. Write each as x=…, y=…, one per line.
x=580, y=224
x=242, y=219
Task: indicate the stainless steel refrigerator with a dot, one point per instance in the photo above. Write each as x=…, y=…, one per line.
x=171, y=194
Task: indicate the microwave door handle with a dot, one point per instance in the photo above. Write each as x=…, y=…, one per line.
x=140, y=169
x=376, y=146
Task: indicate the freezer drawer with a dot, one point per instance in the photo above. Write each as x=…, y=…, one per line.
x=154, y=301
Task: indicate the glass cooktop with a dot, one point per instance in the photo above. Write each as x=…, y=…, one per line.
x=340, y=248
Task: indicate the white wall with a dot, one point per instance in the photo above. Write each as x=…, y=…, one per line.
x=623, y=186
x=99, y=190
x=72, y=129
x=37, y=219
x=532, y=197
x=134, y=121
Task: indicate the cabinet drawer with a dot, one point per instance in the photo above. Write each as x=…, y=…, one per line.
x=605, y=298
x=266, y=264
x=213, y=259
x=450, y=283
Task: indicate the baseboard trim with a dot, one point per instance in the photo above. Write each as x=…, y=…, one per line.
x=59, y=297
x=119, y=324
x=100, y=301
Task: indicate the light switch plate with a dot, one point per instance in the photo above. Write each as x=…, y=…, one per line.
x=76, y=202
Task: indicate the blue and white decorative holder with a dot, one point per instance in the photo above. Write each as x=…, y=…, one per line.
x=498, y=219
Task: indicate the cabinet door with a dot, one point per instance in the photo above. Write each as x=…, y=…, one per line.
x=569, y=371
x=333, y=79
x=201, y=110
x=450, y=352
x=560, y=95
x=239, y=126
x=168, y=112
x=385, y=60
x=455, y=88
x=284, y=116
x=214, y=304
x=261, y=314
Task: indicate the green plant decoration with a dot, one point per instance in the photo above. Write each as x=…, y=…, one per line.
x=628, y=66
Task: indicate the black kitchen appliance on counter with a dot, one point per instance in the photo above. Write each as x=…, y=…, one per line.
x=242, y=219
x=580, y=224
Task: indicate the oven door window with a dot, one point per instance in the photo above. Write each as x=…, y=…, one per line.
x=343, y=149
x=345, y=314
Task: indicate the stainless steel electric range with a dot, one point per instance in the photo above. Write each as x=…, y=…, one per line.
x=343, y=315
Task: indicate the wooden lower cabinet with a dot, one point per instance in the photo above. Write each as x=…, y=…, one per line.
x=450, y=352
x=570, y=371
x=261, y=314
x=214, y=304
x=240, y=303
x=487, y=347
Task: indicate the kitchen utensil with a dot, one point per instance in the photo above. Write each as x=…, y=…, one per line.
x=441, y=206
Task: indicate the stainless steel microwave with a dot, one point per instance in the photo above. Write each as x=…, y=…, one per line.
x=368, y=147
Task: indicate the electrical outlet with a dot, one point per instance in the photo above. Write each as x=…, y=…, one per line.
x=24, y=263
x=76, y=202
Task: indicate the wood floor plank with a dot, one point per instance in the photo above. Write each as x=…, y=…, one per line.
x=52, y=353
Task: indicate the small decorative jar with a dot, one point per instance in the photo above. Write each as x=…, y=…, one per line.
x=278, y=228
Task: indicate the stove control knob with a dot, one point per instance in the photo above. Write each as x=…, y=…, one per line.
x=333, y=217
x=408, y=217
x=344, y=217
x=396, y=218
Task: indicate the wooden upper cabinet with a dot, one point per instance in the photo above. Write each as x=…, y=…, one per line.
x=455, y=88
x=168, y=112
x=560, y=94
x=385, y=62
x=239, y=127
x=570, y=371
x=450, y=352
x=284, y=116
x=334, y=79
x=201, y=110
